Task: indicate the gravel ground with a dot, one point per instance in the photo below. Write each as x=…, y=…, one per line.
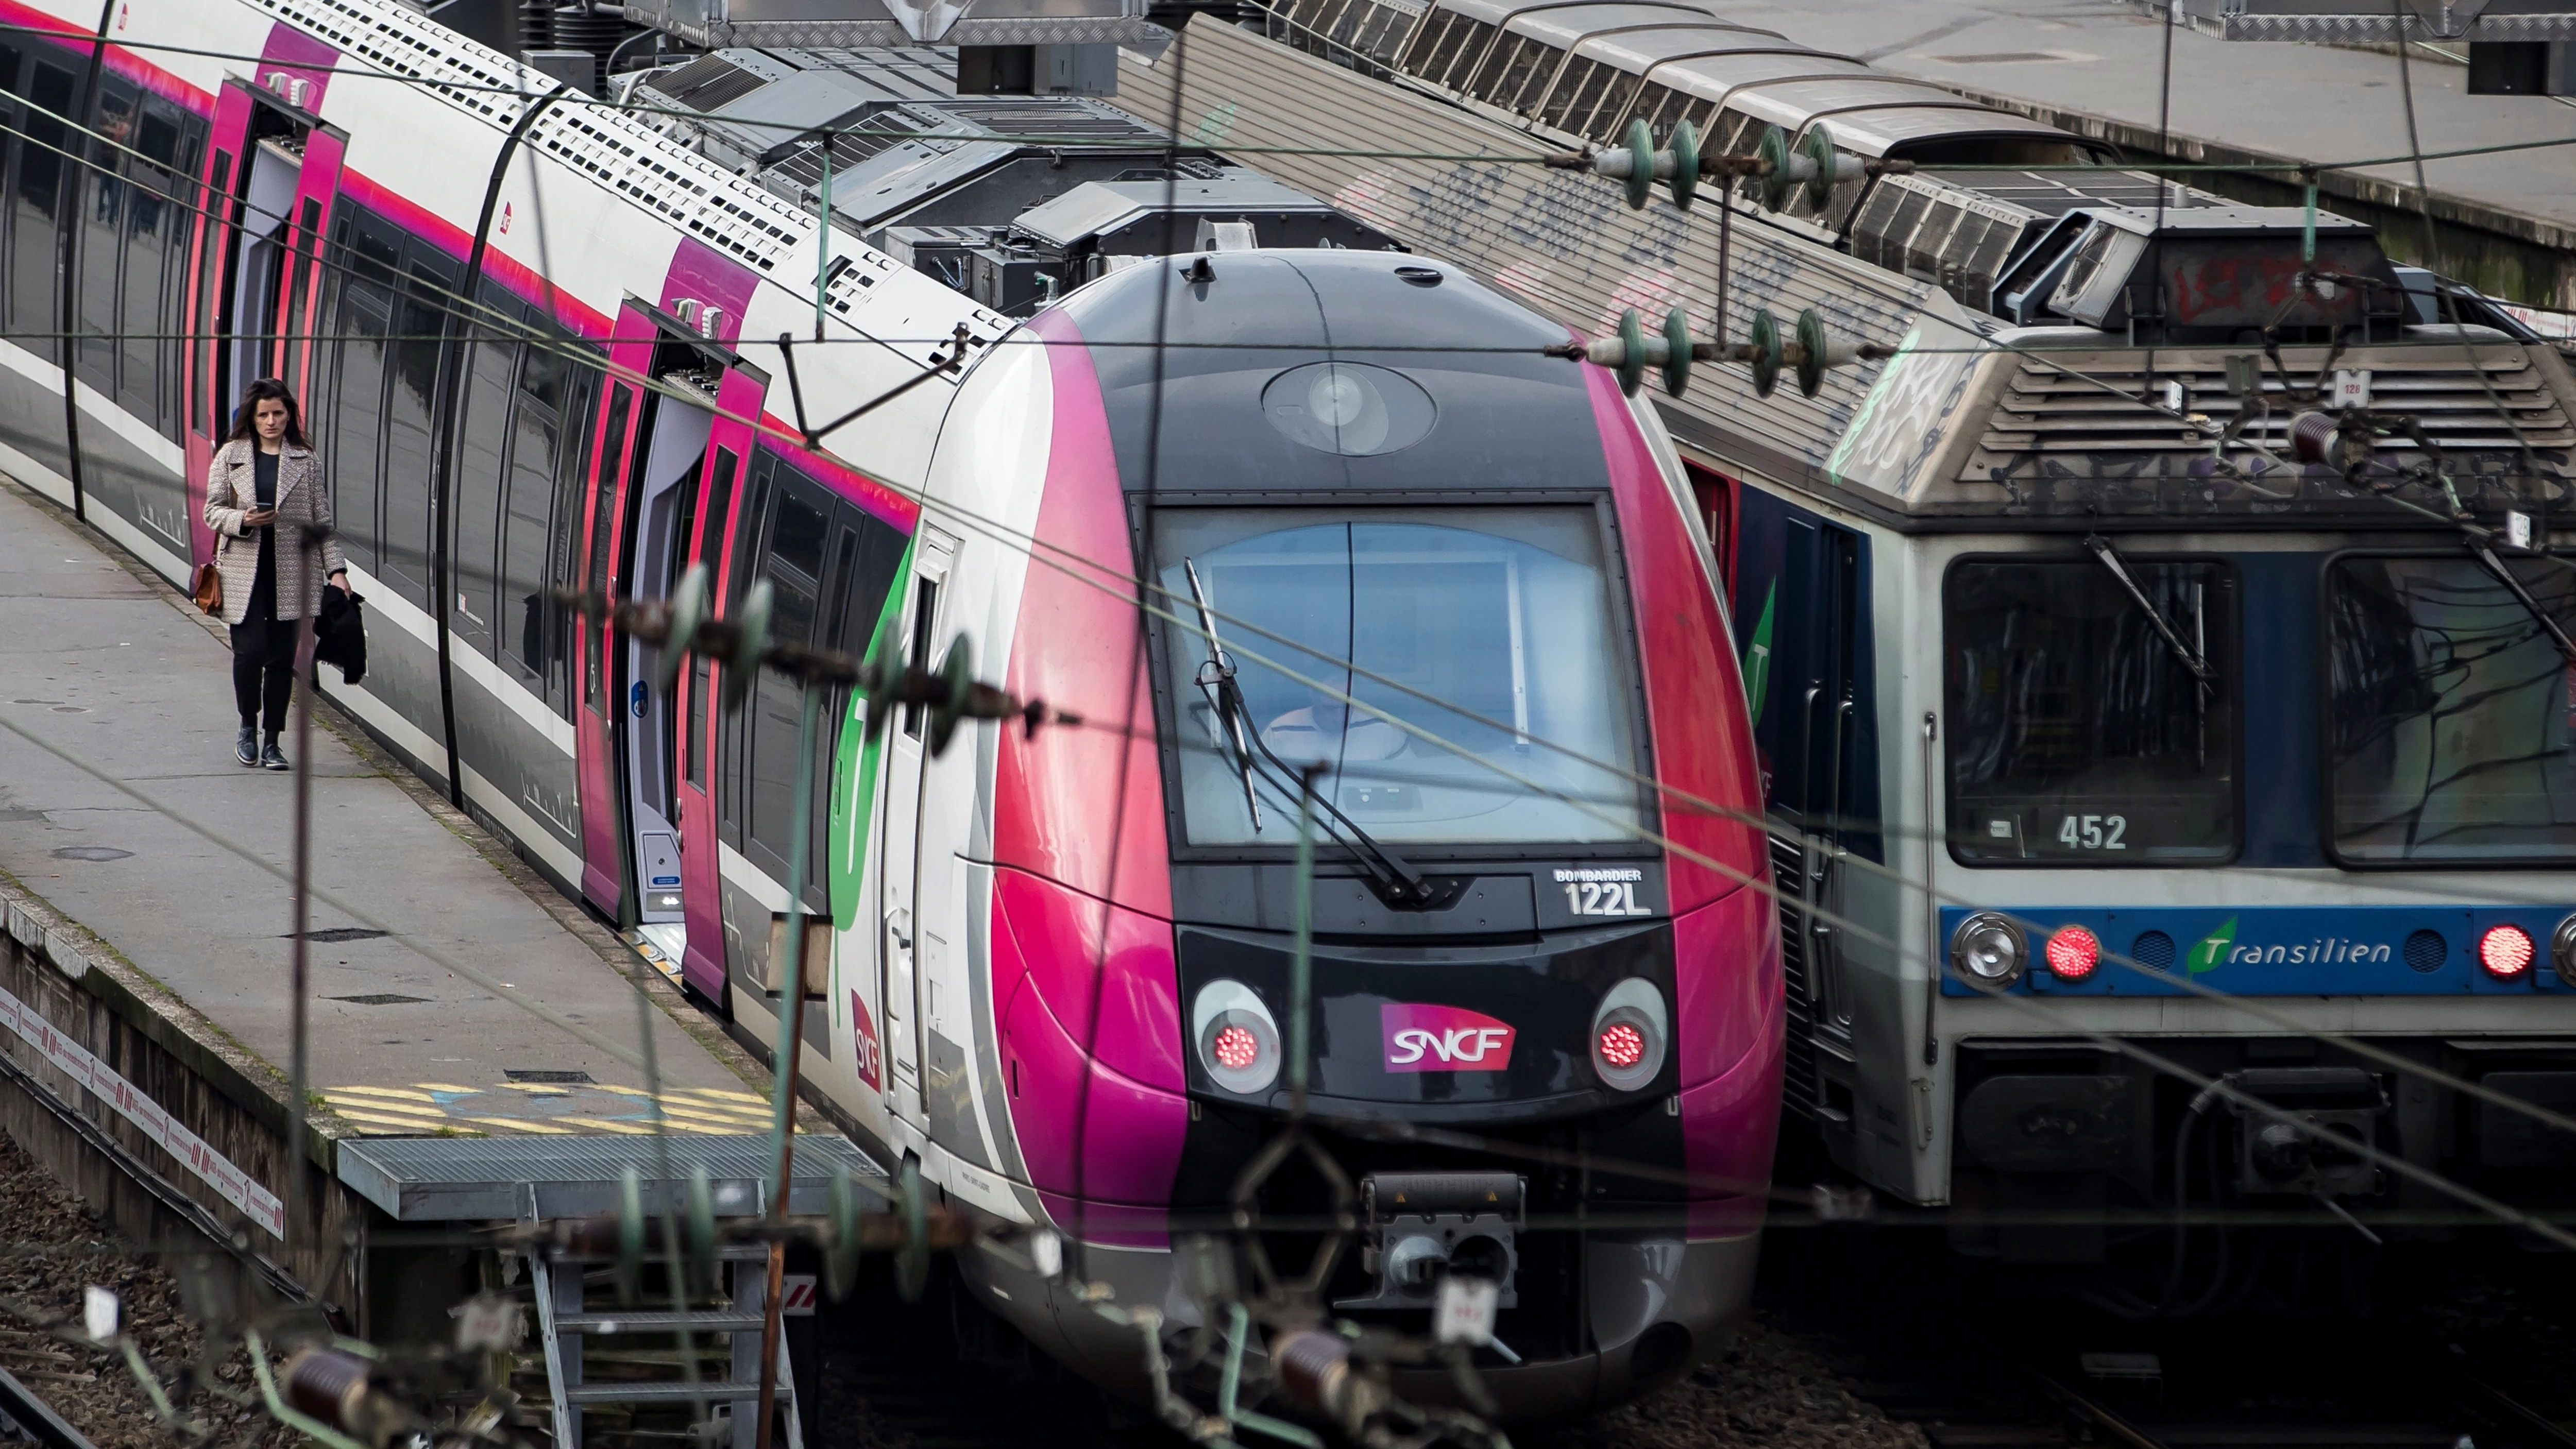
x=1770, y=1390
x=55, y=1250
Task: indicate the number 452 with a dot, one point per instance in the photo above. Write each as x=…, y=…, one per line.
x=2093, y=832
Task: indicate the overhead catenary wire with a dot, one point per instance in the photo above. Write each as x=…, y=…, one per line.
x=1131, y=697
x=925, y=501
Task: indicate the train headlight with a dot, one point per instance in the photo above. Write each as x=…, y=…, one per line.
x=2562, y=950
x=2073, y=952
x=1238, y=1043
x=1989, y=949
x=1629, y=1034
x=2506, y=951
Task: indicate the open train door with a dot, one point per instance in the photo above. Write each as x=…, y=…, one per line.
x=603, y=828
x=662, y=496
x=255, y=262
x=740, y=390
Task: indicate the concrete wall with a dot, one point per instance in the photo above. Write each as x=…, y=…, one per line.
x=231, y=1099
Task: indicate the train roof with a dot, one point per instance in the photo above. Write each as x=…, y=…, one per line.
x=1105, y=206
x=1683, y=48
x=1500, y=413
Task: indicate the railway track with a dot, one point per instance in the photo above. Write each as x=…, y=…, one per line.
x=25, y=1417
x=1932, y=1341
x=903, y=1376
x=2457, y=1411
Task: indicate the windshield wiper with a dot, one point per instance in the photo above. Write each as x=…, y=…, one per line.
x=1394, y=875
x=2485, y=554
x=2190, y=658
x=1216, y=681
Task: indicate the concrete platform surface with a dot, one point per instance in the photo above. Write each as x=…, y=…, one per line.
x=120, y=674
x=2102, y=58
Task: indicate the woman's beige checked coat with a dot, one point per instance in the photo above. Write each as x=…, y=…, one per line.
x=302, y=498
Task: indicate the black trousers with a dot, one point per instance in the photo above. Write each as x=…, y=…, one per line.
x=264, y=654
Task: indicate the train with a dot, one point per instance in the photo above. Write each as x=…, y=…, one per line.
x=2170, y=828
x=551, y=347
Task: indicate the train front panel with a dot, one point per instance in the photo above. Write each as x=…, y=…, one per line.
x=1446, y=588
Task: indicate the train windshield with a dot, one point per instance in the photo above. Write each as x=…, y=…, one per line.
x=2079, y=733
x=2452, y=712
x=1488, y=633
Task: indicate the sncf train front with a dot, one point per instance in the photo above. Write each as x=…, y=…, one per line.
x=1394, y=548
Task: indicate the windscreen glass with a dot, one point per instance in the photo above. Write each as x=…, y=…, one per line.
x=2077, y=733
x=2451, y=712
x=1492, y=632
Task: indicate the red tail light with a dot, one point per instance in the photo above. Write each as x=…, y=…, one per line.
x=1622, y=1045
x=1235, y=1048
x=1629, y=1030
x=2073, y=952
x=2506, y=951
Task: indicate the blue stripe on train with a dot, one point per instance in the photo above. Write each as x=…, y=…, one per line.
x=2281, y=950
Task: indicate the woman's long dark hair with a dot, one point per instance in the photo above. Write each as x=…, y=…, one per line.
x=260, y=392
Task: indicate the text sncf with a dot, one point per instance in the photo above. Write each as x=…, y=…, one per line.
x=1443, y=1039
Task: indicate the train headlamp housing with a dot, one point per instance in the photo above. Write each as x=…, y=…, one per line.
x=1630, y=1035
x=2562, y=950
x=1236, y=1038
x=1989, y=950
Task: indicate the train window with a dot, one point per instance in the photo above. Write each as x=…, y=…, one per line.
x=1505, y=616
x=1465, y=41
x=701, y=705
x=925, y=618
x=2452, y=721
x=34, y=204
x=1506, y=68
x=1553, y=97
x=358, y=394
x=411, y=390
x=476, y=485
x=101, y=264
x=1661, y=106
x=1603, y=107
x=2077, y=734
x=536, y=453
x=572, y=484
x=799, y=530
x=152, y=259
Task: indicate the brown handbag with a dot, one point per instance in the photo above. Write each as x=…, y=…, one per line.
x=210, y=589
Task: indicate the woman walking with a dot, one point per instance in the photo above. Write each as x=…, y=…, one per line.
x=266, y=482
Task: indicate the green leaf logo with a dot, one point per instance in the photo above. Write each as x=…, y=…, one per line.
x=1757, y=655
x=2212, y=948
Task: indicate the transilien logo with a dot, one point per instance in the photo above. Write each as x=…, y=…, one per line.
x=2212, y=948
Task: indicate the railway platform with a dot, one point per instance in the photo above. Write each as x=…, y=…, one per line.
x=2096, y=67
x=456, y=1001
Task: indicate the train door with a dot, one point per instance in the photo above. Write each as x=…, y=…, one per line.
x=271, y=175
x=905, y=990
x=1802, y=594
x=720, y=473
x=660, y=513
x=603, y=868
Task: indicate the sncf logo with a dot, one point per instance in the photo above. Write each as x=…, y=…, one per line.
x=1443, y=1039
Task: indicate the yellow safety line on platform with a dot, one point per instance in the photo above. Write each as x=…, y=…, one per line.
x=700, y=1111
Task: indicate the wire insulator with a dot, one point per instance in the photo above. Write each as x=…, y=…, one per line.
x=329, y=1385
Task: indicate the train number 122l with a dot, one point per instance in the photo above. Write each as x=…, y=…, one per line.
x=1603, y=898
